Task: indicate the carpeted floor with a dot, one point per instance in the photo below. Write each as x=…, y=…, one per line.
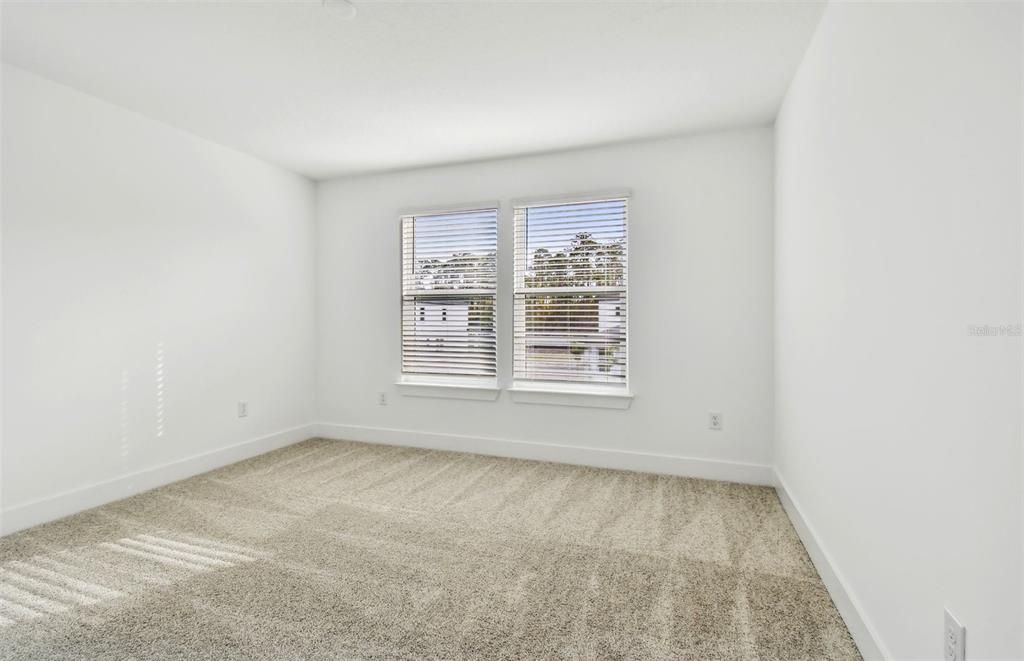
x=338, y=550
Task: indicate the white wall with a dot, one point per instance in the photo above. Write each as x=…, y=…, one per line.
x=151, y=280
x=1, y=302
x=700, y=306
x=898, y=225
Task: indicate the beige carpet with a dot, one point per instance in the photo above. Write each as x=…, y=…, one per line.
x=338, y=550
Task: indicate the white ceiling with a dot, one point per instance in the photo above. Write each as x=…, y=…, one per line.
x=411, y=83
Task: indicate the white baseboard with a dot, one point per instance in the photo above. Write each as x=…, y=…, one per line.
x=70, y=502
x=709, y=469
x=864, y=633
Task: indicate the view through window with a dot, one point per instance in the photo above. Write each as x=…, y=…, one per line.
x=449, y=280
x=570, y=292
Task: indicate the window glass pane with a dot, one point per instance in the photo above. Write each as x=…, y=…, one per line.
x=573, y=337
x=453, y=251
x=576, y=245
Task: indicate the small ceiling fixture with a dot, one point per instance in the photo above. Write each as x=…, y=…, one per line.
x=343, y=8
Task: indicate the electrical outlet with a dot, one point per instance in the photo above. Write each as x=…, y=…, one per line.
x=243, y=409
x=715, y=420
x=382, y=399
x=954, y=643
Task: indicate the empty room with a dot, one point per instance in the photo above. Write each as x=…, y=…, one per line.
x=472, y=330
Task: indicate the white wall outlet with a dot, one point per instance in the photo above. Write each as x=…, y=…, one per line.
x=715, y=420
x=954, y=644
x=382, y=399
x=243, y=409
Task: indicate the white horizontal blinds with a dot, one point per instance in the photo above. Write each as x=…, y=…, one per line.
x=449, y=283
x=570, y=292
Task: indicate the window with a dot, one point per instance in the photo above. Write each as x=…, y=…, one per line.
x=449, y=278
x=570, y=293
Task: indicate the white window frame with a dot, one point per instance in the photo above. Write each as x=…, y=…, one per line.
x=438, y=385
x=568, y=393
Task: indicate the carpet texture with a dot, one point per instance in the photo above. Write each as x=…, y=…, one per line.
x=340, y=550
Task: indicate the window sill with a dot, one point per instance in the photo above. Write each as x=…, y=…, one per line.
x=484, y=390
x=588, y=396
